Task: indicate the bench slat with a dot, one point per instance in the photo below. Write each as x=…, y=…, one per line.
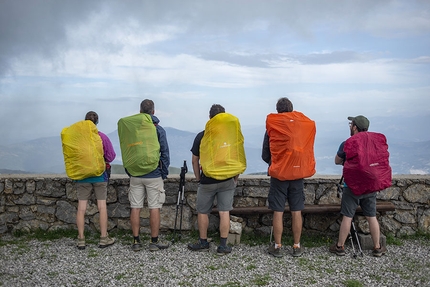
x=321, y=208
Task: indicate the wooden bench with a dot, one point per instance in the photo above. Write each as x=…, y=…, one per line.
x=381, y=206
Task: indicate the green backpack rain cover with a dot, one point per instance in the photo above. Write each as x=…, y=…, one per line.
x=140, y=149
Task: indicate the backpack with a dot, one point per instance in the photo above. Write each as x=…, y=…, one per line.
x=82, y=150
x=222, y=152
x=366, y=168
x=291, y=140
x=140, y=149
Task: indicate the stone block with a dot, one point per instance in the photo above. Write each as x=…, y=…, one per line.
x=233, y=239
x=367, y=243
x=235, y=227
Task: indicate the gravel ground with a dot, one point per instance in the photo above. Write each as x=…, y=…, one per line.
x=60, y=263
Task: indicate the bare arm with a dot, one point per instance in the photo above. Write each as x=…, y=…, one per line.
x=195, y=160
x=338, y=160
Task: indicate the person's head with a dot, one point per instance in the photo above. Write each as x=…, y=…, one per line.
x=216, y=109
x=92, y=116
x=147, y=107
x=284, y=105
x=358, y=124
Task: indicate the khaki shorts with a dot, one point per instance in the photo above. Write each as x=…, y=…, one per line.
x=84, y=190
x=152, y=188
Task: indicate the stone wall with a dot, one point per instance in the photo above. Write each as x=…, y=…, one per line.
x=29, y=202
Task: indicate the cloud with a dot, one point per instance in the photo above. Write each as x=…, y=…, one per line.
x=59, y=59
x=50, y=28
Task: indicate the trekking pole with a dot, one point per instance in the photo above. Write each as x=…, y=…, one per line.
x=354, y=230
x=180, y=200
x=352, y=240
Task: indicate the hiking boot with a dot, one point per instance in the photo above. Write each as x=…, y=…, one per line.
x=276, y=252
x=81, y=243
x=199, y=246
x=137, y=246
x=340, y=251
x=379, y=252
x=223, y=250
x=155, y=246
x=106, y=241
x=297, y=251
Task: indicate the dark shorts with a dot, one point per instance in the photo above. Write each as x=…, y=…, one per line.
x=350, y=202
x=222, y=191
x=283, y=190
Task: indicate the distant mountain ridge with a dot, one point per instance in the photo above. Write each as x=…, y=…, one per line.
x=44, y=155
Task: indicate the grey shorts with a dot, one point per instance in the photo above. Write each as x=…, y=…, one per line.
x=84, y=189
x=223, y=192
x=153, y=188
x=350, y=202
x=282, y=190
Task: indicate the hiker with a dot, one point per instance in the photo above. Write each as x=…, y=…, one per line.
x=145, y=154
x=218, y=157
x=99, y=185
x=358, y=126
x=288, y=148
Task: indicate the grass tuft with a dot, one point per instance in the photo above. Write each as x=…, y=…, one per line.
x=353, y=283
x=391, y=240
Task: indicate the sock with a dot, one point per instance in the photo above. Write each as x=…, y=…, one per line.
x=278, y=245
x=154, y=239
x=223, y=241
x=136, y=238
x=203, y=240
x=296, y=245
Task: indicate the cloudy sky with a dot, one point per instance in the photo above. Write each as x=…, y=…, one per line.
x=333, y=59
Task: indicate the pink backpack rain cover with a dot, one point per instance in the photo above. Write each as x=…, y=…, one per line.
x=366, y=168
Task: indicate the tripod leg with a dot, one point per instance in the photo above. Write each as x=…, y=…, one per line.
x=176, y=218
x=182, y=209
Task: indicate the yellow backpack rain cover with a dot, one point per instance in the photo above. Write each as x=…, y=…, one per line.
x=222, y=153
x=82, y=150
x=140, y=149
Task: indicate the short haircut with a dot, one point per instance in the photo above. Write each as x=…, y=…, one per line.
x=147, y=107
x=358, y=128
x=216, y=109
x=284, y=105
x=92, y=116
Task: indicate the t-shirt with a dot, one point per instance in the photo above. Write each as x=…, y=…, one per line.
x=341, y=152
x=195, y=150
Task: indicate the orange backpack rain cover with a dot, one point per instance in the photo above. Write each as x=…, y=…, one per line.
x=291, y=139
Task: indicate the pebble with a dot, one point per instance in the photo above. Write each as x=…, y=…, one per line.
x=60, y=263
